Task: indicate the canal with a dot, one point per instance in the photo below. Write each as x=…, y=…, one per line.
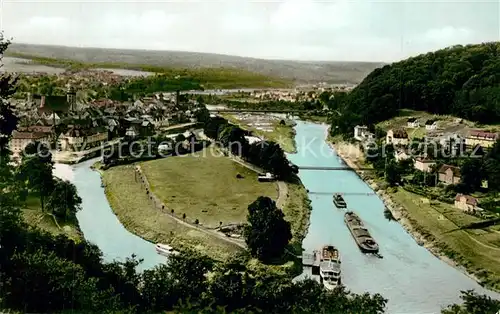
x=411, y=278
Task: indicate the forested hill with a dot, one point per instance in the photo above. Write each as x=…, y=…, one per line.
x=459, y=80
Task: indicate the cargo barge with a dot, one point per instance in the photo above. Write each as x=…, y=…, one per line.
x=361, y=235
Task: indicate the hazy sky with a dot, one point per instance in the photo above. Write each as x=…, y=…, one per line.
x=302, y=29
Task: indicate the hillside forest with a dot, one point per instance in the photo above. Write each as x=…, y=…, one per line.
x=461, y=80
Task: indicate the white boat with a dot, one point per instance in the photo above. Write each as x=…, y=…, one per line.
x=265, y=177
x=329, y=267
x=165, y=249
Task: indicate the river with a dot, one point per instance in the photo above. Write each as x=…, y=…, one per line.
x=411, y=278
x=98, y=222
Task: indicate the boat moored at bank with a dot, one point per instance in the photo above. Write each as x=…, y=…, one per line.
x=165, y=249
x=329, y=266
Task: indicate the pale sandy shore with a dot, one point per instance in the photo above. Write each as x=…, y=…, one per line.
x=63, y=171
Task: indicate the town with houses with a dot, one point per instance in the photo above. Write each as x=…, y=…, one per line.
x=462, y=141
x=72, y=128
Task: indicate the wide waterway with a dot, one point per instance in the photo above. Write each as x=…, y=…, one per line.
x=98, y=222
x=411, y=278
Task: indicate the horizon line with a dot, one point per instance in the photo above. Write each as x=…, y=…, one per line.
x=200, y=52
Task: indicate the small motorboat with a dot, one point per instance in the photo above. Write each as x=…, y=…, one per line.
x=339, y=201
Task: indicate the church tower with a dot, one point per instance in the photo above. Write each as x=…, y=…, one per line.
x=71, y=98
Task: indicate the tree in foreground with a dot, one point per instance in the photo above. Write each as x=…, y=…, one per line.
x=36, y=170
x=267, y=233
x=64, y=201
x=473, y=304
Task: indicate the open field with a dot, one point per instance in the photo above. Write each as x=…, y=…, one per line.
x=446, y=124
x=298, y=71
x=33, y=216
x=477, y=250
x=266, y=127
x=138, y=215
x=206, y=188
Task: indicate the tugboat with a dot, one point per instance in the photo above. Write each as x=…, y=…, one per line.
x=165, y=249
x=329, y=267
x=339, y=201
x=361, y=235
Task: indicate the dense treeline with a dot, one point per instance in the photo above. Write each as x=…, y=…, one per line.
x=460, y=80
x=266, y=154
x=142, y=86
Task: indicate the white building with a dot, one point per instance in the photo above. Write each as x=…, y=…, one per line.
x=400, y=155
x=413, y=123
x=76, y=139
x=431, y=125
x=361, y=133
x=21, y=139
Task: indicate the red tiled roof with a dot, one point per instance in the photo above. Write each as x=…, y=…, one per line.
x=27, y=135
x=468, y=199
x=36, y=128
x=456, y=170
x=399, y=133
x=483, y=134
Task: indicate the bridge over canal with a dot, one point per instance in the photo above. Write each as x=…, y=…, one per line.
x=345, y=168
x=228, y=110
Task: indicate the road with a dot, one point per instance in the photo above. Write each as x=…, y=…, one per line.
x=177, y=126
x=282, y=187
x=216, y=234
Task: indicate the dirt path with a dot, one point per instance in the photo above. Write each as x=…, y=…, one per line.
x=178, y=126
x=282, y=194
x=160, y=205
x=282, y=186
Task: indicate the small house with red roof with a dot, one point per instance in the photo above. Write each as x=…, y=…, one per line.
x=466, y=203
x=449, y=174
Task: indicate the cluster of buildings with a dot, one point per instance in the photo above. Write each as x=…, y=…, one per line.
x=300, y=93
x=475, y=140
x=430, y=124
x=64, y=124
x=79, y=78
x=276, y=95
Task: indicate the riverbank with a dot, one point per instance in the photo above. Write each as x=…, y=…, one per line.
x=34, y=216
x=407, y=217
x=136, y=211
x=292, y=198
x=72, y=158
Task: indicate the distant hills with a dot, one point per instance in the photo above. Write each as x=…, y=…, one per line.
x=297, y=71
